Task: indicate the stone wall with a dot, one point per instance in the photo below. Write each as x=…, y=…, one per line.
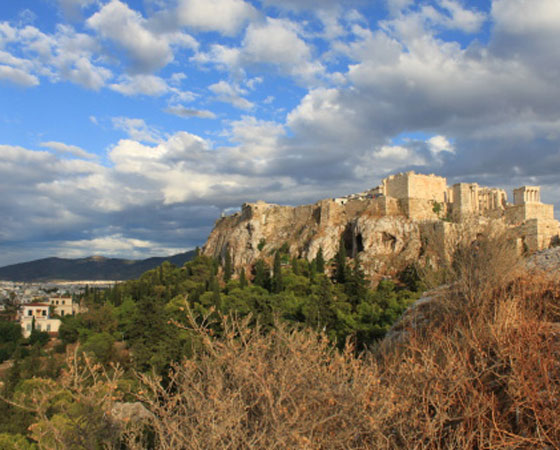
x=516, y=214
x=414, y=185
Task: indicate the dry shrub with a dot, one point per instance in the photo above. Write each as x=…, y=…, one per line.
x=283, y=389
x=487, y=375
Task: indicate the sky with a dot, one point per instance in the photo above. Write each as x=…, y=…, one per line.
x=127, y=127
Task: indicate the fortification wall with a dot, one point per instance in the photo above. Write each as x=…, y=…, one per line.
x=429, y=187
x=414, y=185
x=538, y=234
x=421, y=209
x=396, y=186
x=516, y=214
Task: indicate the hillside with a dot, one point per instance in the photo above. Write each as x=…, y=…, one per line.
x=92, y=268
x=387, y=227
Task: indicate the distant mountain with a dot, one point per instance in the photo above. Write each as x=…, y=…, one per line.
x=92, y=268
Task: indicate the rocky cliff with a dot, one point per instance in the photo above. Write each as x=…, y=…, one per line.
x=389, y=226
x=384, y=239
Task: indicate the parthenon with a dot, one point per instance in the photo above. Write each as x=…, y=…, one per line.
x=428, y=197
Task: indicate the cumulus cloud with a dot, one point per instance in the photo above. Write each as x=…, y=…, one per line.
x=137, y=129
x=64, y=55
x=233, y=94
x=224, y=16
x=74, y=150
x=17, y=76
x=150, y=85
x=272, y=42
x=147, y=50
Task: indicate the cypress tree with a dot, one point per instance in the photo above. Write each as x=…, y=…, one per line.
x=277, y=281
x=227, y=266
x=242, y=279
x=341, y=271
x=295, y=267
x=262, y=275
x=320, y=261
x=356, y=284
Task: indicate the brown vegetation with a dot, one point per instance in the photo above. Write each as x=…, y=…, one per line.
x=483, y=372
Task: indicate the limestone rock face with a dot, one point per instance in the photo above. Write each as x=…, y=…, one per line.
x=260, y=229
x=386, y=227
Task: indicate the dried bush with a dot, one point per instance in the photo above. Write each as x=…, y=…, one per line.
x=488, y=376
x=283, y=389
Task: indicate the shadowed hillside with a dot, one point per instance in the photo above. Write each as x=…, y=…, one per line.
x=92, y=268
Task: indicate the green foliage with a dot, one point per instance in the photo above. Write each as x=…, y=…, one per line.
x=100, y=345
x=277, y=281
x=341, y=269
x=261, y=244
x=228, y=269
x=437, y=207
x=320, y=261
x=15, y=442
x=262, y=275
x=38, y=338
x=10, y=336
x=242, y=279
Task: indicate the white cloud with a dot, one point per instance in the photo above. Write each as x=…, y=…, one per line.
x=438, y=144
x=150, y=85
x=182, y=111
x=273, y=42
x=17, y=76
x=147, y=50
x=137, y=129
x=277, y=42
x=225, y=92
x=522, y=16
x=461, y=18
x=69, y=149
x=64, y=55
x=224, y=16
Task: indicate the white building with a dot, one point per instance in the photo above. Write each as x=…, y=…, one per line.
x=42, y=315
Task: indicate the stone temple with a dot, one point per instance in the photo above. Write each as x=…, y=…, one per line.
x=386, y=227
x=428, y=197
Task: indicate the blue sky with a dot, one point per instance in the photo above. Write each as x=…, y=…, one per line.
x=128, y=127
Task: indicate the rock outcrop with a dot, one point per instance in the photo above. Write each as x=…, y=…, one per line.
x=386, y=227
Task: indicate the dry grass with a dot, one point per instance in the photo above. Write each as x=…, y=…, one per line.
x=486, y=374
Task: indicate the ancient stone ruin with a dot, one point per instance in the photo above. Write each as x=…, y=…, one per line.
x=385, y=226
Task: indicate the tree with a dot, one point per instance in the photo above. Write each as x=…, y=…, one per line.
x=242, y=279
x=320, y=261
x=227, y=266
x=341, y=269
x=262, y=275
x=356, y=284
x=277, y=281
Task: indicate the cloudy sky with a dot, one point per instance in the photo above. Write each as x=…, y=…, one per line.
x=128, y=126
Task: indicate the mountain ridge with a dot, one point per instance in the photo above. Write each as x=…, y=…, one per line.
x=92, y=268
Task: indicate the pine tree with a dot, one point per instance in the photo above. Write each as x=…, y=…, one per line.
x=341, y=271
x=277, y=280
x=320, y=261
x=227, y=266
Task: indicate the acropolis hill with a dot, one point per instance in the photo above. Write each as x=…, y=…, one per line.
x=385, y=226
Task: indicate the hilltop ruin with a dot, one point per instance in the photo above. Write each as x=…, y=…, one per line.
x=385, y=225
